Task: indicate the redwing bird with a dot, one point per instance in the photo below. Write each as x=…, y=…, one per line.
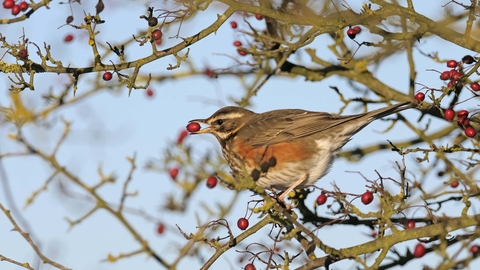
x=285, y=149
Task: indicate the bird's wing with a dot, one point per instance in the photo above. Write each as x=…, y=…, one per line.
x=284, y=125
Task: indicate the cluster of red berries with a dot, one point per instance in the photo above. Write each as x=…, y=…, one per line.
x=10, y=4
x=463, y=121
x=352, y=32
x=455, y=73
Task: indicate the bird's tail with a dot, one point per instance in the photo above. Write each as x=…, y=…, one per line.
x=386, y=111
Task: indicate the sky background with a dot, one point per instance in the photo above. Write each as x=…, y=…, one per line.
x=110, y=126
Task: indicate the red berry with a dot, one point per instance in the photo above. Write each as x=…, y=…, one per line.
x=468, y=59
x=149, y=92
x=475, y=249
x=182, y=136
x=420, y=96
x=450, y=84
x=357, y=29
x=367, y=197
x=351, y=33
x=462, y=113
x=250, y=267
x=160, y=228
x=158, y=42
x=454, y=184
x=321, y=199
x=242, y=223
x=8, y=4
x=419, y=251
x=157, y=34
x=452, y=64
x=457, y=76
x=107, y=76
x=23, y=6
x=193, y=127
x=237, y=43
x=470, y=132
x=68, y=38
x=233, y=24
x=211, y=182
x=410, y=224
x=463, y=122
x=209, y=73
x=475, y=86
x=445, y=76
x=242, y=53
x=15, y=10
x=23, y=54
x=259, y=17
x=173, y=173
x=449, y=114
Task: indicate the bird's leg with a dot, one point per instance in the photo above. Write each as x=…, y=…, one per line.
x=284, y=194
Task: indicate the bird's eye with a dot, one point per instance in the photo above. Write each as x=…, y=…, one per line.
x=219, y=122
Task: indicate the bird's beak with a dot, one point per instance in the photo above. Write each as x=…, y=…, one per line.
x=201, y=131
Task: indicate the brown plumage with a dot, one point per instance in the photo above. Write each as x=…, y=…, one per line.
x=300, y=144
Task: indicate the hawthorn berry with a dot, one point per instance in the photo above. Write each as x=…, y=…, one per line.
x=449, y=114
x=456, y=76
x=250, y=266
x=149, y=92
x=107, y=76
x=23, y=6
x=152, y=21
x=470, y=132
x=450, y=84
x=8, y=4
x=182, y=136
x=351, y=33
x=209, y=73
x=211, y=182
x=463, y=122
x=462, y=113
x=321, y=199
x=445, y=75
x=454, y=184
x=242, y=223
x=233, y=24
x=420, y=96
x=259, y=17
x=158, y=42
x=367, y=197
x=15, y=10
x=173, y=173
x=23, y=54
x=468, y=59
x=157, y=34
x=237, y=43
x=419, y=250
x=68, y=38
x=475, y=249
x=475, y=86
x=452, y=64
x=410, y=224
x=193, y=127
x=357, y=29
x=160, y=228
x=242, y=53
